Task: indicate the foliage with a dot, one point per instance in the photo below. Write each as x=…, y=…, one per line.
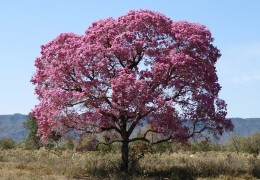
x=87, y=143
x=68, y=143
x=249, y=144
x=167, y=147
x=33, y=140
x=140, y=69
x=204, y=146
x=254, y=144
x=7, y=143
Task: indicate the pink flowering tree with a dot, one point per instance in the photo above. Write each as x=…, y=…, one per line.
x=141, y=69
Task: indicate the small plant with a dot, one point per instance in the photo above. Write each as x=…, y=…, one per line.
x=64, y=144
x=7, y=143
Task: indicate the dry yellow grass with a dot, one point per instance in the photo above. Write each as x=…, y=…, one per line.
x=61, y=165
x=21, y=171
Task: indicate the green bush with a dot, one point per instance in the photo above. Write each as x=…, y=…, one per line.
x=165, y=147
x=204, y=146
x=105, y=148
x=66, y=144
x=87, y=143
x=254, y=145
x=30, y=144
x=32, y=141
x=7, y=143
x=249, y=144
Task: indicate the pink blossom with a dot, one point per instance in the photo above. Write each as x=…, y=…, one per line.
x=140, y=69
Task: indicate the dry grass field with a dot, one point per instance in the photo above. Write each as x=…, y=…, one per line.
x=51, y=165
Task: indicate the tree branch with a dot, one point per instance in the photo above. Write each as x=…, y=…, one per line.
x=139, y=139
x=110, y=128
x=76, y=103
x=107, y=101
x=133, y=125
x=150, y=130
x=179, y=92
x=121, y=63
x=200, y=131
x=135, y=63
x=161, y=141
x=120, y=141
x=147, y=140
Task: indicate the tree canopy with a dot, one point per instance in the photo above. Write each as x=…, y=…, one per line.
x=139, y=69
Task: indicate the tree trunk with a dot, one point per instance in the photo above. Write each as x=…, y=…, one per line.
x=125, y=158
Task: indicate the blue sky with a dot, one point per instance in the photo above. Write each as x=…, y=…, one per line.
x=26, y=25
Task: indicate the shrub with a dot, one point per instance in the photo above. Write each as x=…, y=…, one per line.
x=253, y=145
x=66, y=144
x=204, y=146
x=245, y=144
x=32, y=141
x=87, y=143
x=7, y=143
x=164, y=147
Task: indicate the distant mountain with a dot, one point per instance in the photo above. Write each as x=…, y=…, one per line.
x=242, y=127
x=245, y=127
x=12, y=126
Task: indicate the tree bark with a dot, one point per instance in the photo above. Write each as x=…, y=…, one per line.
x=125, y=157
